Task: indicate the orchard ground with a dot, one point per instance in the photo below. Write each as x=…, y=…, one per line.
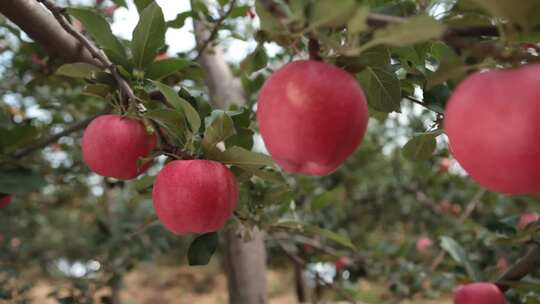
x=168, y=283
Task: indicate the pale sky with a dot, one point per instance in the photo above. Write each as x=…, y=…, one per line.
x=179, y=40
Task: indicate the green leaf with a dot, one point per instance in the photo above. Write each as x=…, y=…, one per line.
x=254, y=61
x=180, y=104
x=243, y=158
x=332, y=13
x=523, y=12
x=269, y=22
x=221, y=128
x=358, y=22
x=171, y=120
x=148, y=35
x=180, y=20
x=414, y=30
x=20, y=181
x=450, y=65
x=121, y=3
x=202, y=248
x=97, y=90
x=277, y=195
x=99, y=29
x=18, y=135
x=77, y=70
x=144, y=183
x=269, y=175
x=240, y=11
x=340, y=239
x=420, y=147
x=142, y=4
x=163, y=68
x=382, y=89
x=459, y=255
x=326, y=198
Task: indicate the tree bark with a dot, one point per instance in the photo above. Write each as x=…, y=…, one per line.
x=40, y=25
x=245, y=262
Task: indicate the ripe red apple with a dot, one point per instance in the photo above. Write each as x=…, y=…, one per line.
x=456, y=209
x=492, y=124
x=37, y=60
x=445, y=206
x=161, y=56
x=422, y=244
x=478, y=293
x=5, y=200
x=502, y=265
x=445, y=164
x=342, y=263
x=194, y=196
x=528, y=218
x=112, y=144
x=312, y=116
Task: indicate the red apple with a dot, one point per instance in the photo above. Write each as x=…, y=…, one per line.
x=492, y=124
x=456, y=209
x=445, y=206
x=112, y=145
x=445, y=164
x=478, y=293
x=37, y=60
x=161, y=56
x=502, y=265
x=423, y=243
x=5, y=200
x=342, y=263
x=312, y=116
x=251, y=14
x=528, y=218
x=194, y=196
x=109, y=10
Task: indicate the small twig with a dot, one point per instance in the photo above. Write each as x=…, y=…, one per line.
x=215, y=30
x=421, y=103
x=149, y=223
x=54, y=138
x=299, y=261
x=60, y=15
x=314, y=49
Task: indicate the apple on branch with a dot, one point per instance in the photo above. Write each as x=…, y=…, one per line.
x=478, y=293
x=113, y=144
x=312, y=116
x=194, y=196
x=492, y=124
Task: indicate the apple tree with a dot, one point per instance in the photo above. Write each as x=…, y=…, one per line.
x=395, y=139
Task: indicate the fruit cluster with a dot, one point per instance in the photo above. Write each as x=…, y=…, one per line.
x=312, y=116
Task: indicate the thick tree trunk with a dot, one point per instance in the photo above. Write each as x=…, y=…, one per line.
x=245, y=265
x=299, y=283
x=245, y=262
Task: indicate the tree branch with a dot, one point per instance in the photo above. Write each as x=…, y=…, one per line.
x=299, y=261
x=54, y=138
x=124, y=87
x=215, y=30
x=379, y=20
x=526, y=265
x=42, y=27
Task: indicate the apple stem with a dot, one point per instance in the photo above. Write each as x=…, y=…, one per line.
x=314, y=49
